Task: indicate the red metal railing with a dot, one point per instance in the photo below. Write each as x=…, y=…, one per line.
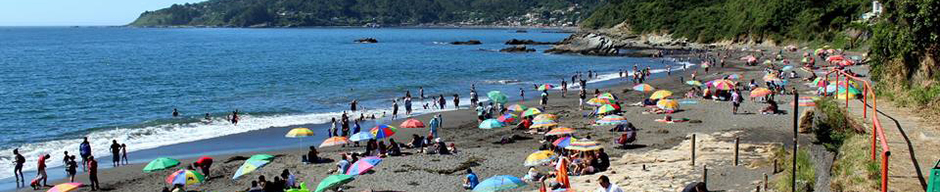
x=878, y=135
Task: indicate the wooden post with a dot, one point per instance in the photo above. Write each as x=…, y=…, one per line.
x=765, y=182
x=693, y=149
x=736, y=146
x=705, y=174
x=757, y=188
x=796, y=116
x=775, y=166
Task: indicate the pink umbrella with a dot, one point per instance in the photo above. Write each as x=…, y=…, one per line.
x=363, y=165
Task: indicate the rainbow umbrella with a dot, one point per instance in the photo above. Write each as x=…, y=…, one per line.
x=539, y=158
x=607, y=96
x=668, y=104
x=507, y=118
x=545, y=116
x=499, y=183
x=516, y=107
x=185, y=177
x=605, y=109
x=412, y=123
x=600, y=101
x=560, y=131
x=490, y=123
x=760, y=92
x=694, y=83
x=160, y=164
x=643, y=87
x=723, y=84
x=363, y=165
x=334, y=141
x=851, y=90
x=805, y=102
x=333, y=182
x=563, y=142
x=383, y=131
x=543, y=123
x=661, y=94
x=546, y=87
x=611, y=120
x=497, y=96
x=299, y=132
x=249, y=166
x=362, y=136
x=65, y=187
x=531, y=112
x=580, y=145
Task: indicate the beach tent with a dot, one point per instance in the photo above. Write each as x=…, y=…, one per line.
x=185, y=177
x=539, y=158
x=160, y=164
x=333, y=182
x=412, y=123
x=499, y=183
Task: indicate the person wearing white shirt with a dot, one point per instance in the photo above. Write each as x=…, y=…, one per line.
x=606, y=186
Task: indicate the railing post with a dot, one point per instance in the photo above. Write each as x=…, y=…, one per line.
x=884, y=171
x=865, y=102
x=846, y=91
x=836, y=92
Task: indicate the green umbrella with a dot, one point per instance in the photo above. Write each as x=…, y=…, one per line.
x=161, y=164
x=333, y=182
x=497, y=96
x=265, y=157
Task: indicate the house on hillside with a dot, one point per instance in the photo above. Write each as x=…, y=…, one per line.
x=876, y=9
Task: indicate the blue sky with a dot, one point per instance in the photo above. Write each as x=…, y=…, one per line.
x=77, y=12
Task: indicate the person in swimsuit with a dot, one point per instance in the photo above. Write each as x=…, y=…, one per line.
x=176, y=113
x=352, y=105
x=18, y=162
x=394, y=109
x=115, y=153
x=124, y=153
x=443, y=101
x=456, y=101
x=71, y=167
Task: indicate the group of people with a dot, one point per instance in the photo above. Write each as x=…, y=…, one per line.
x=89, y=165
x=286, y=180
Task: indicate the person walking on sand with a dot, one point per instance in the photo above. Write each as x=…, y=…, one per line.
x=84, y=150
x=522, y=93
x=435, y=123
x=176, y=113
x=115, y=153
x=93, y=173
x=456, y=101
x=564, y=88
x=18, y=161
x=124, y=153
x=41, y=170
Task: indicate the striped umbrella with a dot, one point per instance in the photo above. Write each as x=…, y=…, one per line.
x=490, y=123
x=497, y=96
x=299, y=132
x=607, y=96
x=65, y=187
x=563, y=142
x=507, y=118
x=516, y=108
x=539, y=158
x=363, y=165
x=545, y=116
x=584, y=145
x=383, y=131
x=694, y=83
x=560, y=131
x=334, y=141
x=643, y=87
x=605, y=109
x=531, y=112
x=362, y=136
x=760, y=92
x=668, y=104
x=600, y=101
x=611, y=120
x=723, y=84
x=661, y=94
x=545, y=87
x=499, y=183
x=412, y=123
x=185, y=177
x=543, y=124
x=734, y=76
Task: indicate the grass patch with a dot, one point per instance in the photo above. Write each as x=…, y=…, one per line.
x=834, y=127
x=805, y=171
x=854, y=170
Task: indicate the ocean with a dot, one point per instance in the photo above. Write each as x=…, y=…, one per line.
x=61, y=84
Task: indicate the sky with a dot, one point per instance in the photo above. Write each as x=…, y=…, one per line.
x=77, y=12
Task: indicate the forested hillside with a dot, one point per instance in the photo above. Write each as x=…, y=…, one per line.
x=289, y=13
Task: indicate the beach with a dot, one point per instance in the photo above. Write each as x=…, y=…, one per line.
x=477, y=148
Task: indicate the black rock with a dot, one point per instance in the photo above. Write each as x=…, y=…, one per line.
x=517, y=49
x=469, y=42
x=527, y=42
x=366, y=40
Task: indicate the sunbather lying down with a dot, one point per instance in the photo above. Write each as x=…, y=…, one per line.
x=658, y=111
x=669, y=119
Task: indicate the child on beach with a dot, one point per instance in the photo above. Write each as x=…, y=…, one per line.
x=124, y=153
x=71, y=168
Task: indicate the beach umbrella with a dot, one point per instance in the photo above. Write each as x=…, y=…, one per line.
x=362, y=136
x=843, y=95
x=507, y=118
x=599, y=101
x=545, y=87
x=497, y=96
x=516, y=107
x=734, y=76
x=563, y=142
x=531, y=112
x=668, y=104
x=545, y=116
x=611, y=120
x=383, y=131
x=845, y=63
x=723, y=84
x=605, y=109
x=333, y=182
x=363, y=165
x=661, y=94
x=65, y=187
x=584, y=145
x=412, y=123
x=264, y=157
x=786, y=68
x=694, y=83
x=334, y=141
x=760, y=92
x=299, y=132
x=490, y=123
x=249, y=166
x=607, y=95
x=643, y=87
x=851, y=90
x=770, y=77
x=835, y=58
x=560, y=131
x=185, y=177
x=539, y=158
x=499, y=183
x=160, y=164
x=805, y=102
x=543, y=123
x=819, y=82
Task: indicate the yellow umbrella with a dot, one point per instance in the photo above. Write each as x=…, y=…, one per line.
x=600, y=101
x=545, y=116
x=299, y=132
x=539, y=158
x=845, y=94
x=560, y=131
x=668, y=104
x=661, y=94
x=531, y=111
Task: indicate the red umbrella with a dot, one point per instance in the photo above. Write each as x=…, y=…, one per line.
x=835, y=58
x=412, y=123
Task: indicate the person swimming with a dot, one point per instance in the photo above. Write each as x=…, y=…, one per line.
x=176, y=113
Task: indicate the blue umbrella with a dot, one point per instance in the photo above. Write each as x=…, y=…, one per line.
x=499, y=183
x=362, y=136
x=786, y=68
x=491, y=123
x=363, y=165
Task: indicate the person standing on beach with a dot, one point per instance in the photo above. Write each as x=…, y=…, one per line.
x=522, y=93
x=564, y=88
x=176, y=113
x=456, y=101
x=332, y=131
x=115, y=153
x=93, y=173
x=344, y=121
x=408, y=106
x=84, y=150
x=352, y=105
x=421, y=92
x=544, y=101
x=124, y=153
x=41, y=170
x=18, y=161
x=581, y=96
x=736, y=100
x=394, y=109
x=443, y=101
x=434, y=124
x=668, y=70
x=356, y=129
x=473, y=98
x=583, y=84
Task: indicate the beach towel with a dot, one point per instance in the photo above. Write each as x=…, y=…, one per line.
x=672, y=121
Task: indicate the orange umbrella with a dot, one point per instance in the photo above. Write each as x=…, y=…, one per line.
x=560, y=131
x=334, y=141
x=760, y=92
x=412, y=123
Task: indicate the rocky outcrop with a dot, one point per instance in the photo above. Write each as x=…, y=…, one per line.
x=469, y=42
x=366, y=40
x=587, y=44
x=517, y=49
x=528, y=42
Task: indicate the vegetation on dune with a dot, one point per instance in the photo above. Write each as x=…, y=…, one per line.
x=834, y=127
x=805, y=170
x=244, y=13
x=853, y=169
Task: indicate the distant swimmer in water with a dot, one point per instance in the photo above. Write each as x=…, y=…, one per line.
x=207, y=118
x=235, y=117
x=176, y=113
